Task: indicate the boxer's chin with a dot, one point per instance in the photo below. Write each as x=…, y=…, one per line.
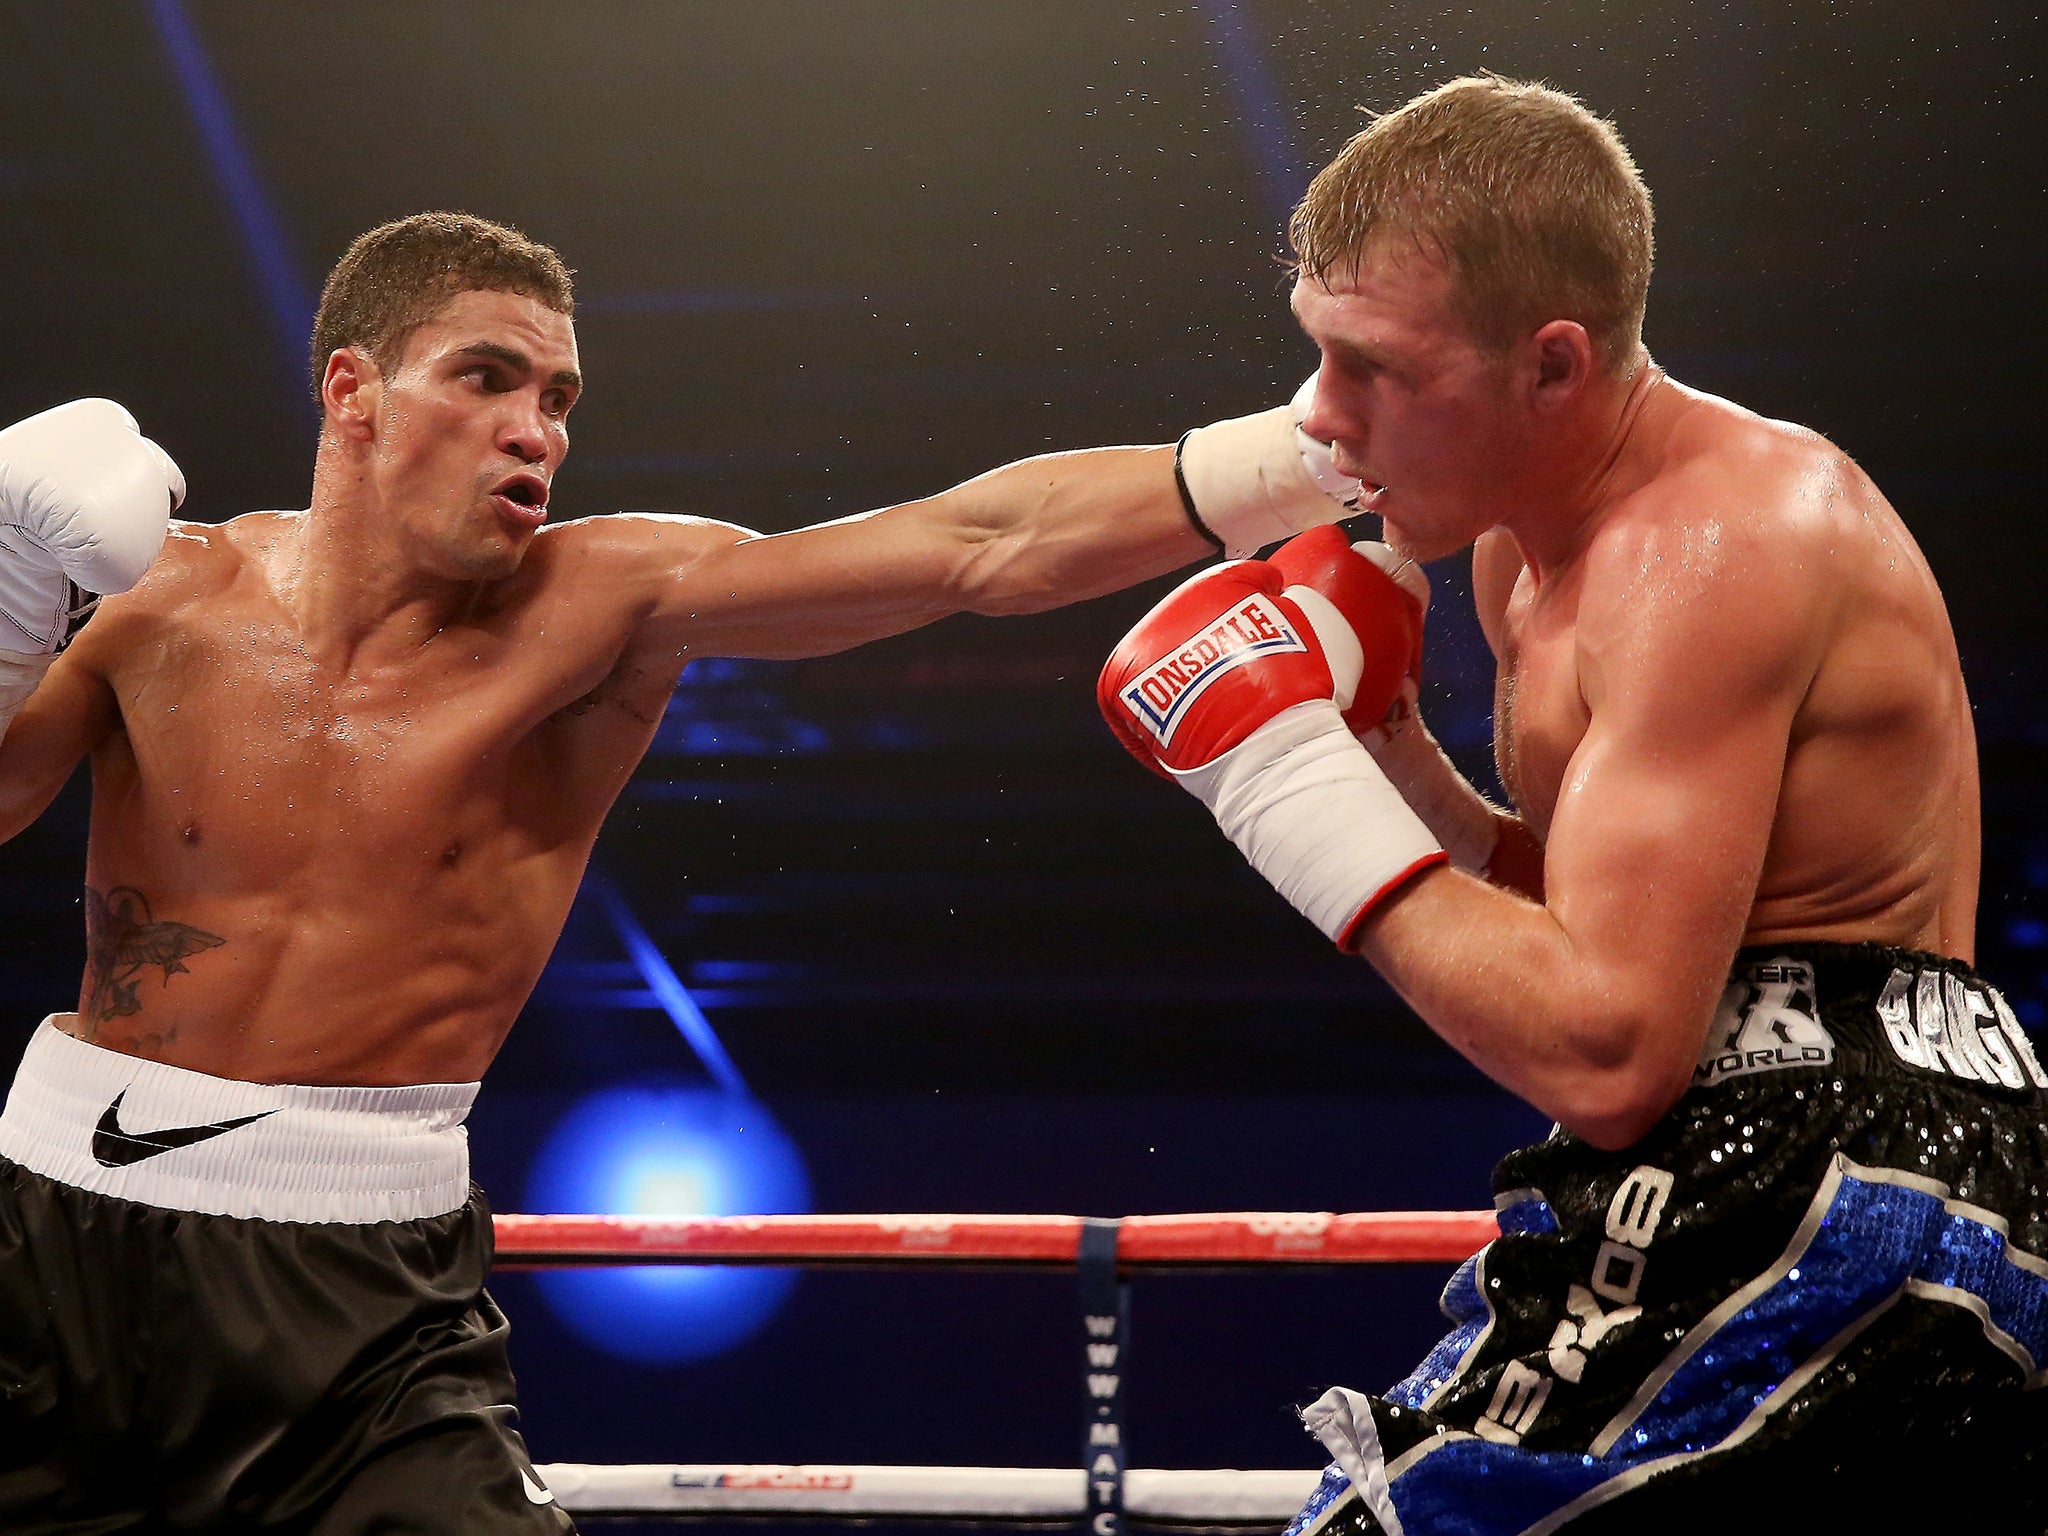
x=1420, y=544
x=497, y=563
x=484, y=559
x=1392, y=534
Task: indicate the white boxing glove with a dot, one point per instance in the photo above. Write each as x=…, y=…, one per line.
x=85, y=502
x=1254, y=480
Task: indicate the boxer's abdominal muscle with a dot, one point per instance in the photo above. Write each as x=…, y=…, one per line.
x=407, y=968
x=311, y=877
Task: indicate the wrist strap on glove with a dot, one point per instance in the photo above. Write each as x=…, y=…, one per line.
x=1311, y=811
x=1187, y=499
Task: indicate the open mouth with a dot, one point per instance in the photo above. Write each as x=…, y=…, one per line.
x=523, y=499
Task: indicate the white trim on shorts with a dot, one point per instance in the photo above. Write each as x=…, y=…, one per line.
x=303, y=1154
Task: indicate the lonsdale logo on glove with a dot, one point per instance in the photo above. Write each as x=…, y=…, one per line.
x=1160, y=695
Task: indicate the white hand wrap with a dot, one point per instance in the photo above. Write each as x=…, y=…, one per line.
x=1255, y=480
x=1312, y=812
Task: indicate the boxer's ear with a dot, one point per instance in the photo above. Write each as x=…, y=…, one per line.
x=349, y=389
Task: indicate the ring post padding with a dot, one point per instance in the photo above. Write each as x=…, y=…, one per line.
x=1106, y=1330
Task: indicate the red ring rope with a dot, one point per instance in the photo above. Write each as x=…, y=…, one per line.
x=1144, y=1242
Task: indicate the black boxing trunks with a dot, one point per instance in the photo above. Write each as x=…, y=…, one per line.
x=1816, y=1293
x=236, y=1306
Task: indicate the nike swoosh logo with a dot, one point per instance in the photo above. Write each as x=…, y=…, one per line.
x=113, y=1147
x=535, y=1493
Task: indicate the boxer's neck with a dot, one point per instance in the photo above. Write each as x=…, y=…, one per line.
x=1588, y=463
x=348, y=575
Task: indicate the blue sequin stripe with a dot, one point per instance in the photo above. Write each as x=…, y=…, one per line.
x=1329, y=1493
x=1523, y=1210
x=1464, y=1303
x=1870, y=1236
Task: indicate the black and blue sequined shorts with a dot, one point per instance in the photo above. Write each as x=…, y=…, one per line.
x=1817, y=1290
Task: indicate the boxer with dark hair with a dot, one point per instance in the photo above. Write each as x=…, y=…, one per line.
x=348, y=764
x=1786, y=1253
x=392, y=279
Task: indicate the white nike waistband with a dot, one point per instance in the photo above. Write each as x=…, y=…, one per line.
x=139, y=1130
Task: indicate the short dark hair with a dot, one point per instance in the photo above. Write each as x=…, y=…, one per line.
x=393, y=279
x=1532, y=202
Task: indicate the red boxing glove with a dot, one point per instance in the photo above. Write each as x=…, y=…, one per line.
x=1215, y=659
x=1384, y=617
x=1231, y=687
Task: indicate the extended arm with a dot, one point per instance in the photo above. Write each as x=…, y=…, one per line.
x=1029, y=536
x=1046, y=531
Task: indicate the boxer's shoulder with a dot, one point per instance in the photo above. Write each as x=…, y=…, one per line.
x=1733, y=498
x=1731, y=553
x=622, y=541
x=202, y=565
x=1750, y=476
x=628, y=560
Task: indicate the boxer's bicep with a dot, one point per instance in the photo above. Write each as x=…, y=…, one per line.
x=809, y=592
x=1664, y=820
x=69, y=714
x=691, y=586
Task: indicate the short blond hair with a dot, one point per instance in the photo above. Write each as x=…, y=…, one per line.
x=1532, y=202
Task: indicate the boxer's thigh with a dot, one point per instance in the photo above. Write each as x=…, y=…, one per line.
x=424, y=1442
x=464, y=1474
x=68, y=1461
x=1917, y=1424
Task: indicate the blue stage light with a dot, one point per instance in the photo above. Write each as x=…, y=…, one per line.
x=663, y=1149
x=2026, y=933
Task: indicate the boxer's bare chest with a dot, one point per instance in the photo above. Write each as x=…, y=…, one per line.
x=249, y=755
x=1539, y=714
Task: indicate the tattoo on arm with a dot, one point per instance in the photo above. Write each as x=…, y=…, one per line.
x=122, y=941
x=620, y=689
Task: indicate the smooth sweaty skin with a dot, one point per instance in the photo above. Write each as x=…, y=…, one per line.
x=348, y=763
x=1729, y=703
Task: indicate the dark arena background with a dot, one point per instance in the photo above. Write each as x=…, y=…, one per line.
x=903, y=929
